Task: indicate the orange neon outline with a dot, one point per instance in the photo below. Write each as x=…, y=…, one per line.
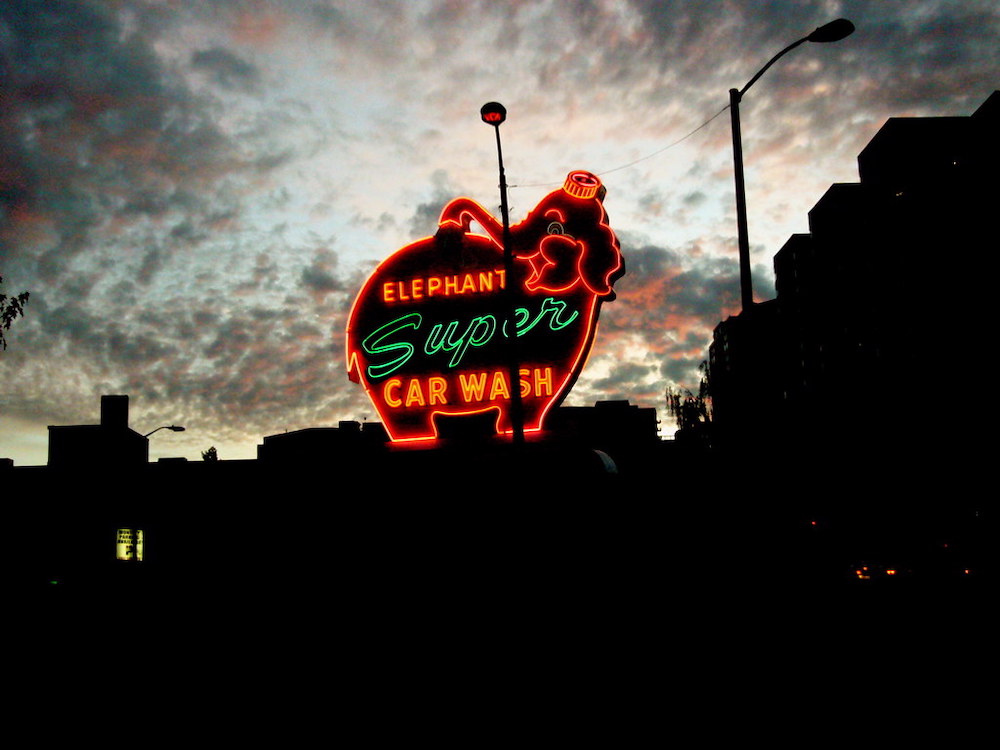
x=385, y=415
x=559, y=391
x=460, y=213
x=353, y=369
x=563, y=388
x=538, y=270
x=536, y=426
x=582, y=184
x=469, y=210
x=428, y=287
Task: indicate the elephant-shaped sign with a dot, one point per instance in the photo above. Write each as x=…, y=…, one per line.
x=428, y=333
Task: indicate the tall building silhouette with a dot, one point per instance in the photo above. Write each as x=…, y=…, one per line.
x=879, y=332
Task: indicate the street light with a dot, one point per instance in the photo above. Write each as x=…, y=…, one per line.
x=172, y=427
x=494, y=113
x=831, y=32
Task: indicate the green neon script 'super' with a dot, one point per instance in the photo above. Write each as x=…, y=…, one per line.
x=392, y=340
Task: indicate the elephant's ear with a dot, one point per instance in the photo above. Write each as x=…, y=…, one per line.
x=601, y=265
x=555, y=267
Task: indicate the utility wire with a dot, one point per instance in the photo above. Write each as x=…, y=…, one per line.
x=641, y=159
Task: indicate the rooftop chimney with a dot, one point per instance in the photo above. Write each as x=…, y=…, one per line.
x=114, y=412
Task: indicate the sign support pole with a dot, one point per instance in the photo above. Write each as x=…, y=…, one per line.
x=494, y=114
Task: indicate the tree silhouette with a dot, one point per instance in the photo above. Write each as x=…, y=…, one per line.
x=11, y=308
x=210, y=455
x=692, y=413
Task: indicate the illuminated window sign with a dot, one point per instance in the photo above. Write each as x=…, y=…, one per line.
x=426, y=335
x=129, y=545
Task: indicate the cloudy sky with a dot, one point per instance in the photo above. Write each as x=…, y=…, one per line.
x=193, y=192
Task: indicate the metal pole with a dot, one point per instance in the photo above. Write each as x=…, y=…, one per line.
x=517, y=408
x=746, y=283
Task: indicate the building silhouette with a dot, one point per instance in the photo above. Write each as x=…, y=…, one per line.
x=313, y=496
x=881, y=323
x=111, y=441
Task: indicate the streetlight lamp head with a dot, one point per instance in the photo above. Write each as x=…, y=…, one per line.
x=171, y=427
x=832, y=32
x=493, y=113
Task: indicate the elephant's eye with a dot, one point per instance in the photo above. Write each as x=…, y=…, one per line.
x=556, y=228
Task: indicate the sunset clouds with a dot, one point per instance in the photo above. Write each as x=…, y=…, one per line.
x=194, y=192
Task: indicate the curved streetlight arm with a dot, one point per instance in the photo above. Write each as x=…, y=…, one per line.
x=771, y=62
x=828, y=32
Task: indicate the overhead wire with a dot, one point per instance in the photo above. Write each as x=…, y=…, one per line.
x=640, y=159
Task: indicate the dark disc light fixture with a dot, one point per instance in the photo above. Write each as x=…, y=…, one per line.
x=493, y=113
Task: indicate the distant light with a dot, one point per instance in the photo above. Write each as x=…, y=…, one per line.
x=129, y=544
x=890, y=572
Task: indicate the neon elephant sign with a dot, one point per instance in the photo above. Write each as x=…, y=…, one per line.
x=427, y=333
